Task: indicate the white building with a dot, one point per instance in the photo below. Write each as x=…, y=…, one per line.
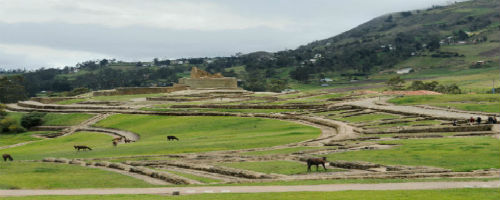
x=405, y=70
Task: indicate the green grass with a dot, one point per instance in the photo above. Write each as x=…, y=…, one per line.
x=422, y=122
x=70, y=101
x=192, y=177
x=278, y=167
x=469, y=102
x=448, y=194
x=35, y=175
x=56, y=119
x=196, y=134
x=367, y=117
x=14, y=138
x=458, y=154
x=220, y=110
x=281, y=151
x=53, y=119
x=125, y=97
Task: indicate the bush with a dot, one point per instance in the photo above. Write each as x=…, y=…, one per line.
x=14, y=128
x=3, y=113
x=32, y=119
x=6, y=123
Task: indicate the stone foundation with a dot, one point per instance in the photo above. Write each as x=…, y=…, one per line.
x=195, y=83
x=139, y=90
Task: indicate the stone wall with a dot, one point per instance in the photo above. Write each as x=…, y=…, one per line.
x=49, y=100
x=140, y=90
x=194, y=83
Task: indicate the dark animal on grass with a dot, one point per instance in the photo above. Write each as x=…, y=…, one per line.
x=171, y=137
x=7, y=157
x=115, y=143
x=117, y=139
x=83, y=147
x=128, y=141
x=317, y=162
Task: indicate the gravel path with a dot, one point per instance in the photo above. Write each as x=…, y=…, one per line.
x=258, y=189
x=375, y=103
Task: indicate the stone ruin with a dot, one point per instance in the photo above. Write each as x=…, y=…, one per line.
x=201, y=79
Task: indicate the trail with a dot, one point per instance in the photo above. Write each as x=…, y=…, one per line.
x=380, y=104
x=257, y=189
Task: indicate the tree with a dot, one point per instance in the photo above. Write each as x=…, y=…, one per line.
x=32, y=119
x=12, y=89
x=395, y=83
x=278, y=85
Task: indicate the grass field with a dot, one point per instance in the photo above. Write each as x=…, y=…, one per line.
x=56, y=119
x=53, y=119
x=455, y=194
x=367, y=117
x=14, y=138
x=278, y=167
x=35, y=175
x=469, y=102
x=458, y=154
x=220, y=110
x=70, y=101
x=197, y=134
x=191, y=176
x=281, y=151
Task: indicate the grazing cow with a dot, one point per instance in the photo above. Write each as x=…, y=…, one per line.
x=78, y=147
x=7, y=157
x=115, y=143
x=171, y=137
x=317, y=162
x=127, y=140
x=117, y=139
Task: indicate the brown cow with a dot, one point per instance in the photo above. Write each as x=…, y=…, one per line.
x=7, y=157
x=171, y=137
x=78, y=147
x=317, y=162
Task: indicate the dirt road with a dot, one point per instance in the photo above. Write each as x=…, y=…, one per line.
x=380, y=104
x=258, y=189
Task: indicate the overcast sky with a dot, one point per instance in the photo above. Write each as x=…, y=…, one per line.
x=56, y=33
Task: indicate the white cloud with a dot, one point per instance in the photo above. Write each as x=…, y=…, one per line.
x=45, y=56
x=173, y=14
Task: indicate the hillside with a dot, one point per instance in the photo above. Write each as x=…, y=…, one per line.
x=441, y=43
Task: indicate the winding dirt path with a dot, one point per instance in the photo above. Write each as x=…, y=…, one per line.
x=380, y=104
x=258, y=189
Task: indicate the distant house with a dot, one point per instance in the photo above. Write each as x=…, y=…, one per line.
x=405, y=70
x=324, y=85
x=325, y=80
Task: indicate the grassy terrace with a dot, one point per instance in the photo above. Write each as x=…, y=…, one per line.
x=281, y=151
x=278, y=167
x=469, y=102
x=14, y=138
x=455, y=194
x=367, y=117
x=220, y=110
x=56, y=119
x=34, y=175
x=458, y=154
x=196, y=134
x=191, y=176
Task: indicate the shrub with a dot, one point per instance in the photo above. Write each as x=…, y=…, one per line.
x=32, y=119
x=6, y=123
x=14, y=128
x=3, y=113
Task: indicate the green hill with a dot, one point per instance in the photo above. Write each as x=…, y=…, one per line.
x=458, y=43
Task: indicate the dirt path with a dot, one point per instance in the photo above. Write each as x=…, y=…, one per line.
x=375, y=103
x=258, y=189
